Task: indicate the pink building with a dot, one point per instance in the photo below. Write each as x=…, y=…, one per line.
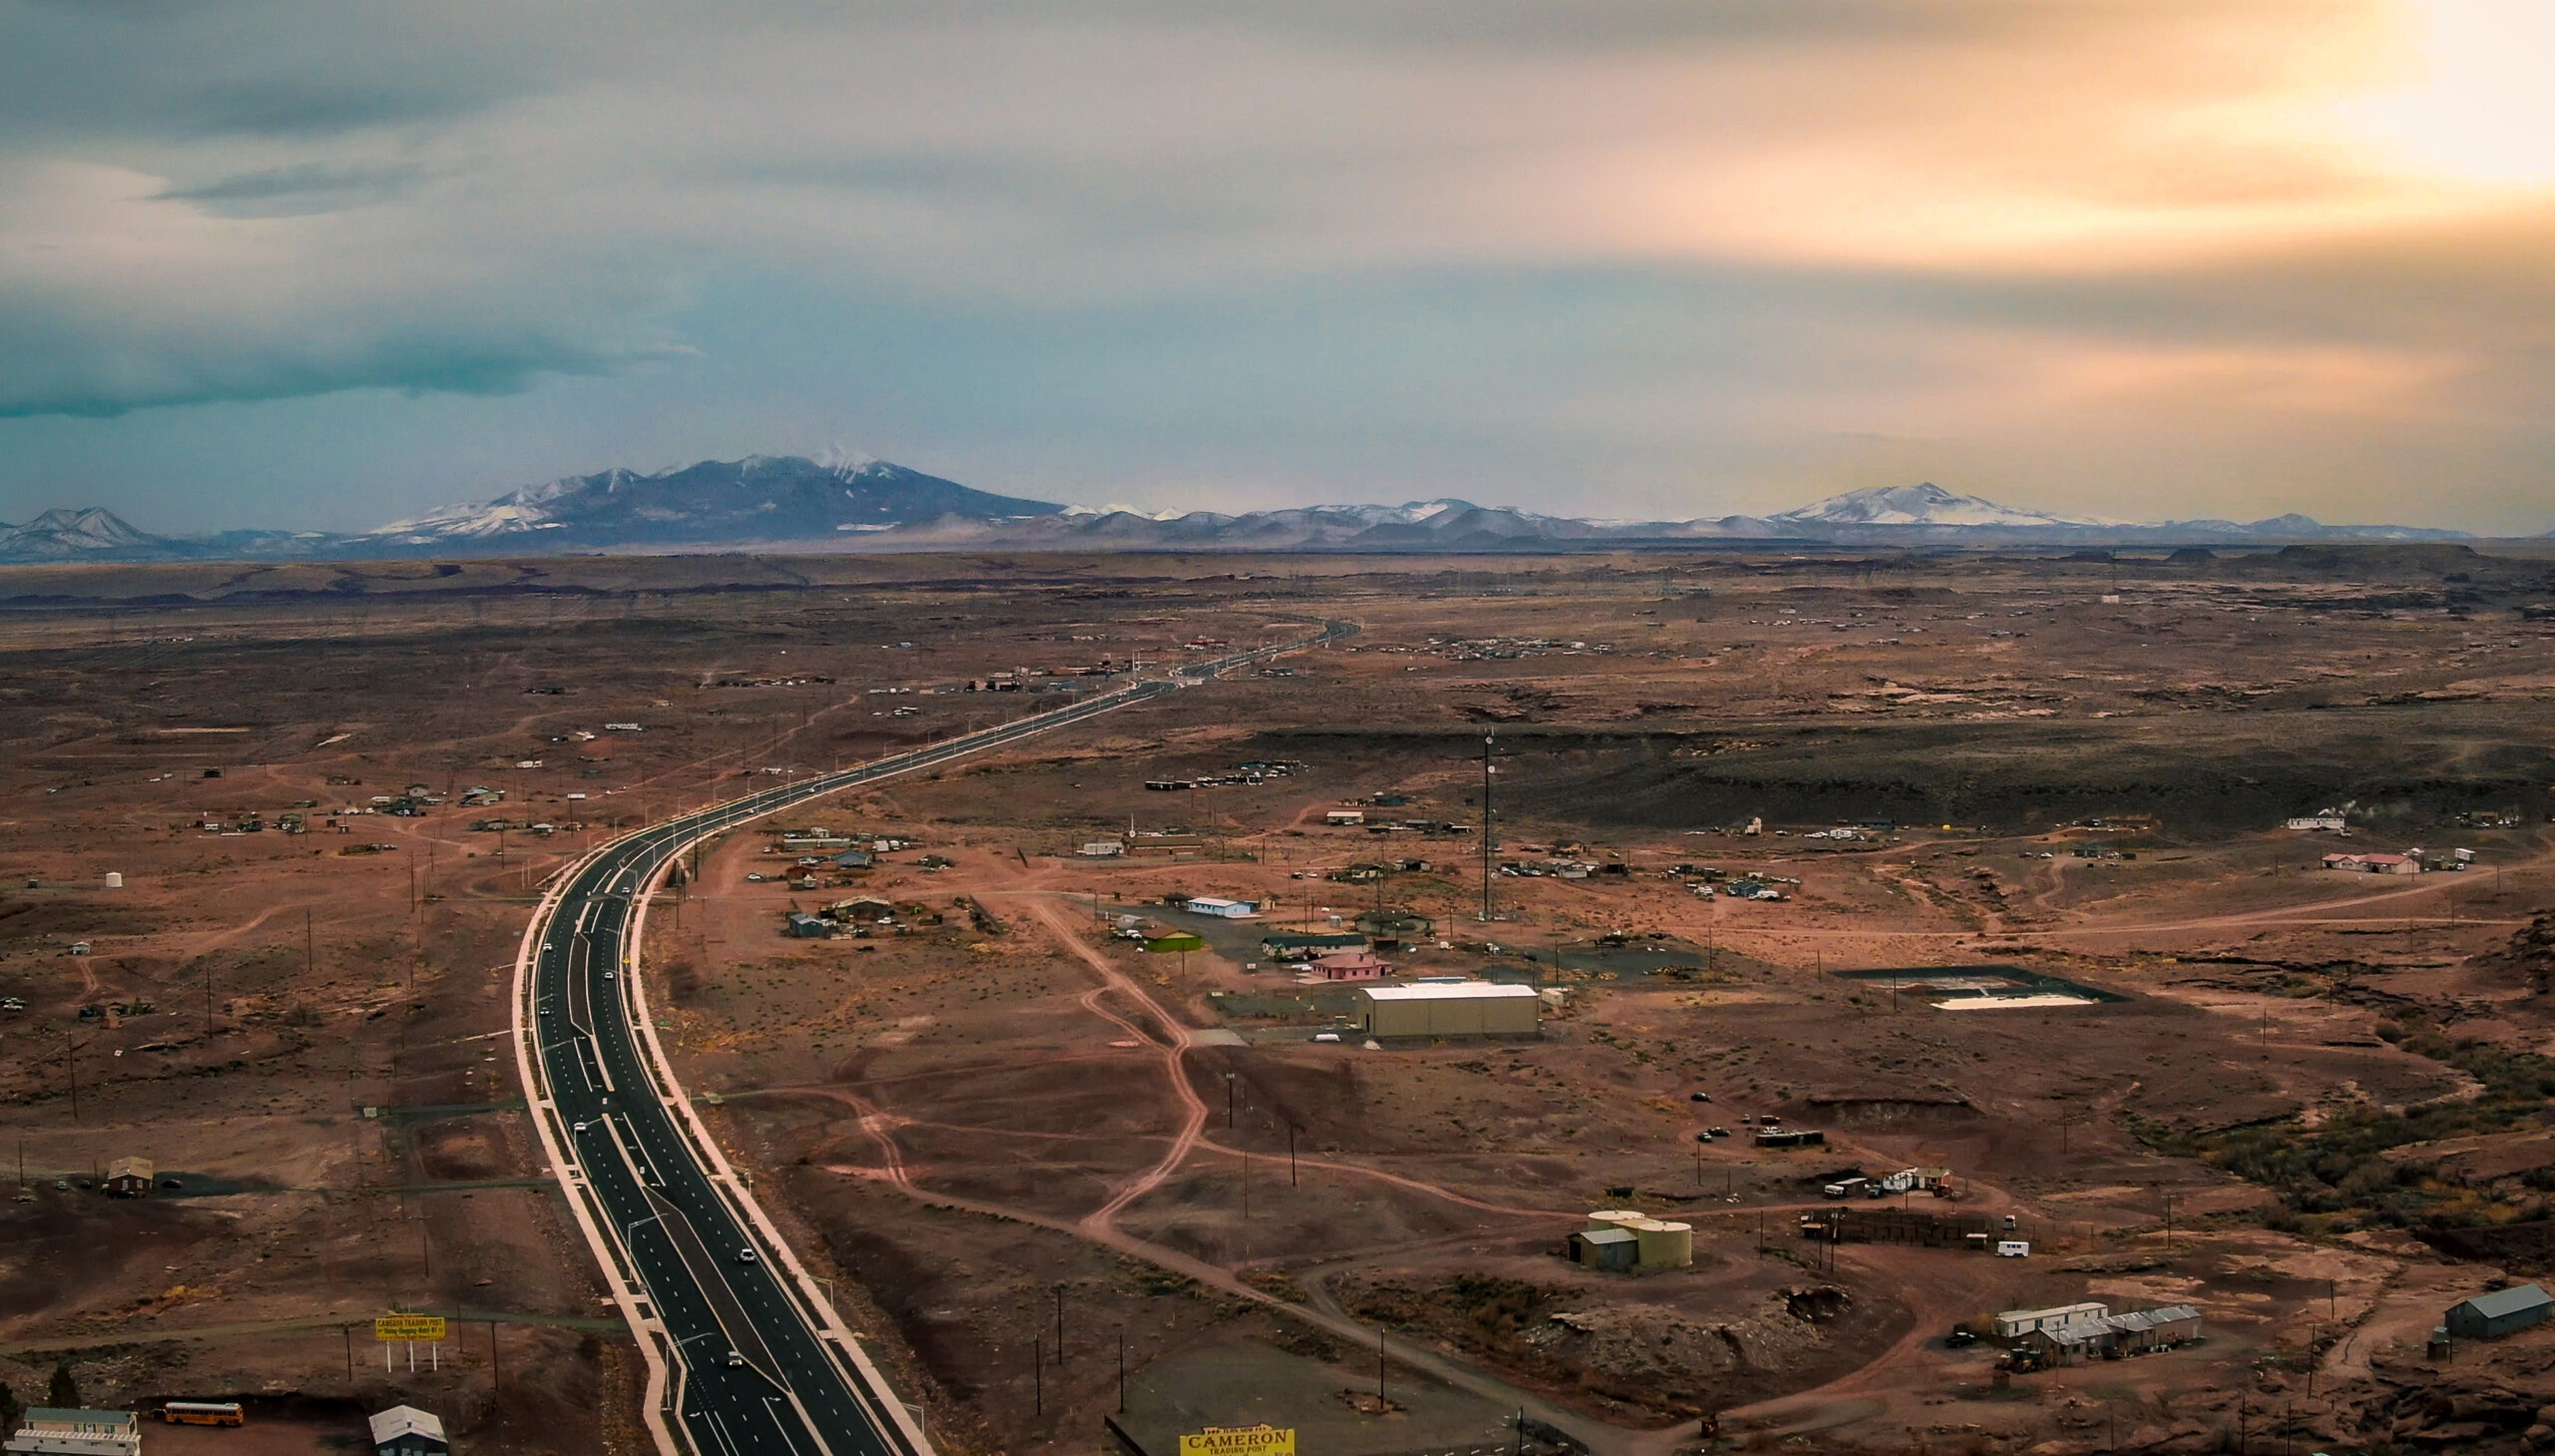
x=1349, y=965
x=2375, y=864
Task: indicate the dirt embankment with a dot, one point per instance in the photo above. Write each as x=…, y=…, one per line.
x=1677, y=1358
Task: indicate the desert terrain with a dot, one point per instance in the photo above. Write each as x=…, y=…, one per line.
x=1032, y=1153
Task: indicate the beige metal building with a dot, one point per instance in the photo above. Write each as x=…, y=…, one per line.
x=1449, y=1009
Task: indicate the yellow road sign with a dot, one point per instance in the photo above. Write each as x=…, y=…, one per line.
x=391, y=1328
x=1239, y=1441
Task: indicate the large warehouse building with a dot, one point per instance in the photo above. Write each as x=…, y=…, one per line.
x=1449, y=1009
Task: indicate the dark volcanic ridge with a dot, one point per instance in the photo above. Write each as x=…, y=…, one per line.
x=790, y=503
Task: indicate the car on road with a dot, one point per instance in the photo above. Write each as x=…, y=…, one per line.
x=1961, y=1337
x=736, y=1359
x=744, y=1256
x=611, y=975
x=1717, y=1132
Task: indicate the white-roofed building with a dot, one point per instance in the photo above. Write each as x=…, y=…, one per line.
x=404, y=1430
x=1449, y=1009
x=59, y=1432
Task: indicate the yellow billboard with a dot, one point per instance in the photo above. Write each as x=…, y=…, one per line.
x=392, y=1328
x=1239, y=1441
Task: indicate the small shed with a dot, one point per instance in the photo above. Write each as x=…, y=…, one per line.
x=130, y=1178
x=853, y=860
x=2141, y=1330
x=1613, y=1249
x=404, y=1430
x=2501, y=1312
x=804, y=926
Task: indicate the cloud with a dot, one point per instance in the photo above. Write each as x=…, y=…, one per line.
x=1663, y=247
x=115, y=297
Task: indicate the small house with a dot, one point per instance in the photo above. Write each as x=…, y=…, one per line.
x=1221, y=908
x=2501, y=1312
x=853, y=860
x=1349, y=965
x=2015, y=1323
x=130, y=1178
x=404, y=1430
x=1103, y=850
x=804, y=926
x=2375, y=864
x=88, y=1432
x=1295, y=945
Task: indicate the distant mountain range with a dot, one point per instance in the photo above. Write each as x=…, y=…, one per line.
x=789, y=503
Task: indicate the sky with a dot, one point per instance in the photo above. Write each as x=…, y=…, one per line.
x=289, y=263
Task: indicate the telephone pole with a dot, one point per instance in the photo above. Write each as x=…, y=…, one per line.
x=1487, y=743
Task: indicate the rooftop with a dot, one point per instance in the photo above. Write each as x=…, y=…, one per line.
x=1449, y=991
x=2509, y=1302
x=401, y=1420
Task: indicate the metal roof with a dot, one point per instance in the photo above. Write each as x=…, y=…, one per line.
x=2508, y=1301
x=402, y=1421
x=1609, y=1235
x=1455, y=991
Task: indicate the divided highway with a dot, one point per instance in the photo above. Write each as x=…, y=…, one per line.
x=745, y=1353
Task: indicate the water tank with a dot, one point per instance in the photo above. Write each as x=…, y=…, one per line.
x=1677, y=1244
x=1615, y=1218
x=1665, y=1246
x=114, y=879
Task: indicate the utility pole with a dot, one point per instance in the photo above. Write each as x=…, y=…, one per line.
x=310, y=947
x=1487, y=741
x=1037, y=1376
x=1290, y=1155
x=1059, y=1326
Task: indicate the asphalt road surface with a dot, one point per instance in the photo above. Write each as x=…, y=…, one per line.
x=753, y=1374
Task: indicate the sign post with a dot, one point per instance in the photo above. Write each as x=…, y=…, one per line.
x=1261, y=1440
x=407, y=1329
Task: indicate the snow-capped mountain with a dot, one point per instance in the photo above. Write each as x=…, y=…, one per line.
x=852, y=502
x=762, y=498
x=93, y=534
x=1922, y=505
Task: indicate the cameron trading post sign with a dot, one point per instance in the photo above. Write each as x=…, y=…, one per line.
x=391, y=1328
x=1239, y=1441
